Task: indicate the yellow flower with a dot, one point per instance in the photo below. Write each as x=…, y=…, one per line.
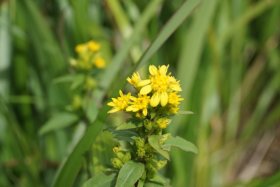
x=139, y=103
x=173, y=109
x=160, y=84
x=174, y=98
x=99, y=62
x=119, y=103
x=163, y=122
x=136, y=80
x=81, y=48
x=93, y=46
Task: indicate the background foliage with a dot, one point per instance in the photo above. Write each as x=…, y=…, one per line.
x=226, y=54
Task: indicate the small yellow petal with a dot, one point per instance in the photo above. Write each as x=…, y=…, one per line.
x=146, y=89
x=152, y=70
x=111, y=104
x=176, y=87
x=121, y=93
x=163, y=99
x=145, y=112
x=155, y=100
x=163, y=70
x=144, y=83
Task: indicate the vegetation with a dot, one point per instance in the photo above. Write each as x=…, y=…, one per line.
x=55, y=129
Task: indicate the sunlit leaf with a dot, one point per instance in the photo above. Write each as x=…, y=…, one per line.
x=129, y=174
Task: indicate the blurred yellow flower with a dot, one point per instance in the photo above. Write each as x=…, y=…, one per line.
x=93, y=46
x=119, y=103
x=81, y=48
x=99, y=62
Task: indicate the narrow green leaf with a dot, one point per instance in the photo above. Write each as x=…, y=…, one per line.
x=154, y=141
x=72, y=163
x=129, y=174
x=91, y=111
x=173, y=23
x=78, y=81
x=66, y=78
x=185, y=112
x=100, y=180
x=181, y=144
x=119, y=59
x=58, y=121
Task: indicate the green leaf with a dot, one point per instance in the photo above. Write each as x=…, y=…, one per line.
x=173, y=23
x=185, y=112
x=91, y=111
x=181, y=144
x=119, y=59
x=58, y=121
x=73, y=162
x=129, y=174
x=153, y=184
x=124, y=135
x=100, y=180
x=66, y=78
x=78, y=81
x=154, y=141
x=128, y=125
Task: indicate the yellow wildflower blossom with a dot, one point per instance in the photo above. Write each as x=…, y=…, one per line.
x=139, y=103
x=174, y=98
x=99, y=62
x=136, y=80
x=119, y=103
x=160, y=84
x=93, y=46
x=81, y=48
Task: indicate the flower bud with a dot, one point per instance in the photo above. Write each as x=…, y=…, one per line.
x=117, y=163
x=163, y=122
x=126, y=157
x=76, y=102
x=90, y=83
x=148, y=124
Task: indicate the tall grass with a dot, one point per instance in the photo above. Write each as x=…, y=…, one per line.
x=225, y=54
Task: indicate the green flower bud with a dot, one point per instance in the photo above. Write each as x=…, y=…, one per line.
x=116, y=149
x=90, y=83
x=141, y=152
x=76, y=102
x=163, y=122
x=117, y=163
x=161, y=163
x=126, y=157
x=164, y=137
x=139, y=142
x=148, y=125
x=120, y=155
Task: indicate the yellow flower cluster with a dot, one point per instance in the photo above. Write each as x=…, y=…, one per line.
x=159, y=91
x=88, y=56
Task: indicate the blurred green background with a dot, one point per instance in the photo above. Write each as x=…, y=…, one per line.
x=226, y=55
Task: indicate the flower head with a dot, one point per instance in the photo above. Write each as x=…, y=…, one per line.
x=139, y=104
x=120, y=103
x=99, y=62
x=160, y=84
